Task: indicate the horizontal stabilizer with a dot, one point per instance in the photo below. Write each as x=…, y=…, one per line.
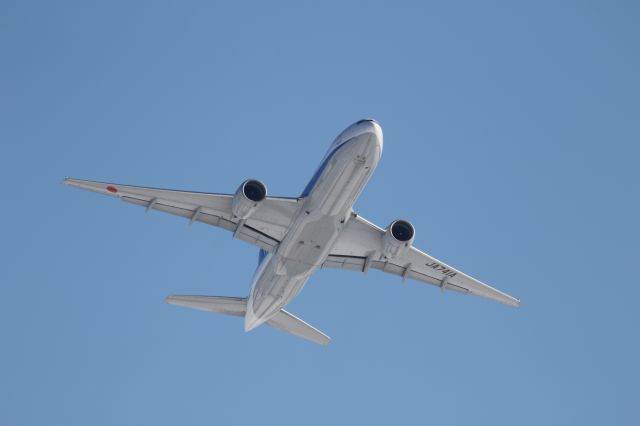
x=288, y=323
x=235, y=306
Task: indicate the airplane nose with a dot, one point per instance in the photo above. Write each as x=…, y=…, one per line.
x=364, y=120
x=369, y=135
x=359, y=128
x=369, y=125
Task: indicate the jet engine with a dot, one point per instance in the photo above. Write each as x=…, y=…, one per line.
x=247, y=198
x=397, y=238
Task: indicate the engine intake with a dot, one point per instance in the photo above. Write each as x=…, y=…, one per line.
x=247, y=198
x=398, y=238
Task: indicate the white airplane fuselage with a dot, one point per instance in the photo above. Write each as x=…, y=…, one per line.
x=327, y=206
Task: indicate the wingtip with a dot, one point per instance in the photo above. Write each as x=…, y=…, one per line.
x=71, y=181
x=512, y=301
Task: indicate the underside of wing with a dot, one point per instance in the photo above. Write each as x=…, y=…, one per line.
x=265, y=228
x=359, y=248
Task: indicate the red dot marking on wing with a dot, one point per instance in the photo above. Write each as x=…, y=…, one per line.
x=112, y=189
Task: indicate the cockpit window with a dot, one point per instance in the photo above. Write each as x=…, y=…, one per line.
x=364, y=120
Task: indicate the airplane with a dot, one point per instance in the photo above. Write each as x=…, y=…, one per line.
x=297, y=236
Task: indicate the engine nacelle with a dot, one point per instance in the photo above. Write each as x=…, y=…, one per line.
x=397, y=238
x=248, y=196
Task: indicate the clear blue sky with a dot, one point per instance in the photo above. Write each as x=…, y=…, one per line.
x=511, y=142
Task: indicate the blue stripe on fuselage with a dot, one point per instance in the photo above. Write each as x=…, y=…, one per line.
x=261, y=255
x=318, y=172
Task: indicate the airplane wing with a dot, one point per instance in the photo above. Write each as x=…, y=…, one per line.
x=265, y=228
x=358, y=248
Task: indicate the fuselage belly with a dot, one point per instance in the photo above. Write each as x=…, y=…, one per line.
x=327, y=206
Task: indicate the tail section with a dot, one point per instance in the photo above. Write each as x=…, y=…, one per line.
x=288, y=323
x=237, y=307
x=234, y=306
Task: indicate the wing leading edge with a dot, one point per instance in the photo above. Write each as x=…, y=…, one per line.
x=358, y=249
